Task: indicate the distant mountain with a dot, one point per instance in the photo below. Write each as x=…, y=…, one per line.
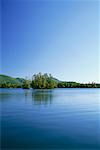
x=11, y=80
x=55, y=79
x=20, y=80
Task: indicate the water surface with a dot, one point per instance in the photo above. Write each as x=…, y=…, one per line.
x=50, y=119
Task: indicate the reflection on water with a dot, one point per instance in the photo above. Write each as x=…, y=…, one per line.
x=37, y=96
x=42, y=96
x=50, y=119
x=26, y=93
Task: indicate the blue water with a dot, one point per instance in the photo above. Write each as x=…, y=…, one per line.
x=50, y=119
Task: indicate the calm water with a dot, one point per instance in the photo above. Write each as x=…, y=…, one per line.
x=50, y=119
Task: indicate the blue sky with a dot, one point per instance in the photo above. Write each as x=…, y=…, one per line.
x=57, y=37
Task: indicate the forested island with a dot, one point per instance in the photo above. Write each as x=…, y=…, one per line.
x=42, y=81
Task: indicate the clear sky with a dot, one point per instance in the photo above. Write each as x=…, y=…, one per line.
x=60, y=37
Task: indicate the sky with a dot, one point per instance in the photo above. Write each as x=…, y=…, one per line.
x=60, y=37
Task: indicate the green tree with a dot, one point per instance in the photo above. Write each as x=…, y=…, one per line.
x=26, y=84
x=43, y=81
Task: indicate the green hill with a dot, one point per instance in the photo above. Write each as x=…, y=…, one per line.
x=10, y=81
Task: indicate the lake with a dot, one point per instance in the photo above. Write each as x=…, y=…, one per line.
x=50, y=119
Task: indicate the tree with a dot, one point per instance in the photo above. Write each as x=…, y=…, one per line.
x=26, y=84
x=43, y=81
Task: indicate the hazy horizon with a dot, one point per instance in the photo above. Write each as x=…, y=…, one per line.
x=57, y=37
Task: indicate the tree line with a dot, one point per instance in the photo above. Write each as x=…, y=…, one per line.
x=77, y=85
x=47, y=81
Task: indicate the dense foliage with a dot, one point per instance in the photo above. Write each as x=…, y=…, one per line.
x=43, y=81
x=77, y=85
x=26, y=84
x=9, y=82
